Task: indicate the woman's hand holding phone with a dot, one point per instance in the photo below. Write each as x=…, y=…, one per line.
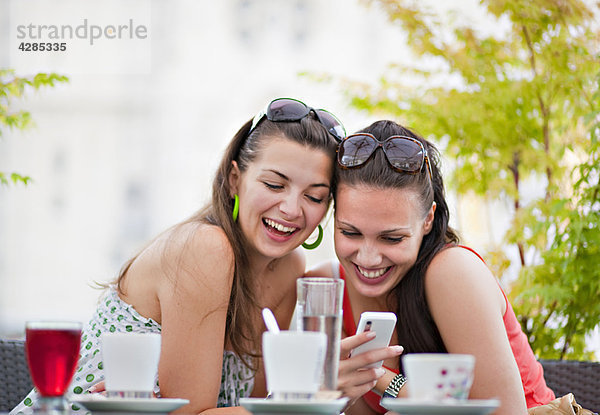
x=359, y=372
x=382, y=323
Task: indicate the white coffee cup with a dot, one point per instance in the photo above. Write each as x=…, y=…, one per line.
x=438, y=376
x=130, y=362
x=293, y=363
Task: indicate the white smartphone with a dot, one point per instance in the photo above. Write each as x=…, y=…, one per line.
x=383, y=324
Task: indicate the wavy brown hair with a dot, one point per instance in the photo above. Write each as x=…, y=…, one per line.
x=244, y=148
x=416, y=329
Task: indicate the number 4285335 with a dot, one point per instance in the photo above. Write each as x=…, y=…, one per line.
x=42, y=47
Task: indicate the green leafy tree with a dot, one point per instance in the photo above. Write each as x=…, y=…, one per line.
x=509, y=109
x=13, y=87
x=564, y=287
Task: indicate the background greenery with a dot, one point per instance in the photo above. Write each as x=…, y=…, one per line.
x=521, y=107
x=13, y=89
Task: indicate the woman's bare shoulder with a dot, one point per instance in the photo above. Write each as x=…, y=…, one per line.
x=199, y=235
x=199, y=256
x=322, y=269
x=198, y=242
x=457, y=273
x=455, y=263
x=296, y=260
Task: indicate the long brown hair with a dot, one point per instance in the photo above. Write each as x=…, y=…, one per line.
x=416, y=329
x=244, y=148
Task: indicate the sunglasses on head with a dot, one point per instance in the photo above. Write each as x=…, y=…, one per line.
x=289, y=109
x=404, y=154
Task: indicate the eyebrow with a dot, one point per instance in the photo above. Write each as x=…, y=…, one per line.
x=284, y=177
x=388, y=231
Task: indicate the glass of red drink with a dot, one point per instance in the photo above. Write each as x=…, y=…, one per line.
x=52, y=350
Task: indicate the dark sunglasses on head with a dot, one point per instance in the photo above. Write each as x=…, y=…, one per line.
x=289, y=109
x=404, y=154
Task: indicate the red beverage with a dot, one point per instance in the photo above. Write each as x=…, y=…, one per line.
x=52, y=353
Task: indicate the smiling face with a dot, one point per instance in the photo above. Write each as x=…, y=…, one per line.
x=378, y=233
x=284, y=194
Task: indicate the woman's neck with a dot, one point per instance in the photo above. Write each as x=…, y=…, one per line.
x=261, y=266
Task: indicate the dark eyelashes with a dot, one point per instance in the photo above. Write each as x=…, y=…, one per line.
x=387, y=239
x=315, y=199
x=279, y=187
x=272, y=186
x=394, y=240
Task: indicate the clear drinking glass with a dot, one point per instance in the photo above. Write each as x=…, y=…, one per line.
x=319, y=308
x=52, y=349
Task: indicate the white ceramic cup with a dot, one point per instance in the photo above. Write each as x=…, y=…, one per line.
x=438, y=376
x=293, y=363
x=130, y=362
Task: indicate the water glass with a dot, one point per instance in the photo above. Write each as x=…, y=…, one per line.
x=52, y=349
x=319, y=308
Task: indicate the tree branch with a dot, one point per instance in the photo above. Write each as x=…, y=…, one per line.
x=551, y=311
x=531, y=51
x=567, y=343
x=543, y=108
x=514, y=168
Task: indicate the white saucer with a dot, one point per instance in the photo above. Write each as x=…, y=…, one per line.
x=98, y=403
x=259, y=406
x=415, y=407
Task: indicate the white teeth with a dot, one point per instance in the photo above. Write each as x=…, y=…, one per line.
x=279, y=226
x=372, y=274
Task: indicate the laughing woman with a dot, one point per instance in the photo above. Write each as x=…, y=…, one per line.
x=397, y=253
x=203, y=282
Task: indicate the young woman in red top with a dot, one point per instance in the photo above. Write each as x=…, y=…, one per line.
x=398, y=253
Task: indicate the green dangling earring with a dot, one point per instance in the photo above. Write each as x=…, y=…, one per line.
x=317, y=242
x=236, y=207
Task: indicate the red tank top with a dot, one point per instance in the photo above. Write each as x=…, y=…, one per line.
x=532, y=374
